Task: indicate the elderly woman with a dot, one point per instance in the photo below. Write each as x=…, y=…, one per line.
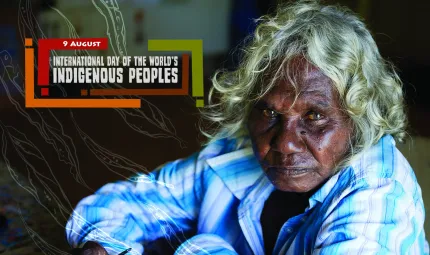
x=303, y=160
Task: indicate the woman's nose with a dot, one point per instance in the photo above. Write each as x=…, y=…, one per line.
x=288, y=140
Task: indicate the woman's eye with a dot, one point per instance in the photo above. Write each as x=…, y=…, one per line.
x=270, y=113
x=314, y=116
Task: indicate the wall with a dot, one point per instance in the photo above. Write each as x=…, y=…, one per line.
x=191, y=19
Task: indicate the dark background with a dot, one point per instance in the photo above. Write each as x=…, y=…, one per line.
x=400, y=29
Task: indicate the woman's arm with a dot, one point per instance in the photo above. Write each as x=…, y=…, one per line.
x=128, y=214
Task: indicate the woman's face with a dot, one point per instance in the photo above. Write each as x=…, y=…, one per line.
x=299, y=144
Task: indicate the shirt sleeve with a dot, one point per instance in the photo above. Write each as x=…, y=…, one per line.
x=377, y=216
x=130, y=214
x=205, y=244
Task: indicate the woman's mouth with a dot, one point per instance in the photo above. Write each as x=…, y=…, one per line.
x=291, y=171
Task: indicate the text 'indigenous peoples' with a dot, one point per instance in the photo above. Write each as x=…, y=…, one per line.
x=111, y=69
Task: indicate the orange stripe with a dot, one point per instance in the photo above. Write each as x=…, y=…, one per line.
x=29, y=76
x=84, y=103
x=84, y=92
x=28, y=42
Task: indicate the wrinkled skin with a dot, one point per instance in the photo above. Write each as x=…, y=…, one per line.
x=298, y=145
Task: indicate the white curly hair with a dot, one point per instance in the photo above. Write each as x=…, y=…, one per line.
x=333, y=39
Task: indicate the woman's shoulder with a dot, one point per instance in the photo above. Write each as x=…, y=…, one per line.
x=383, y=162
x=376, y=197
x=380, y=173
x=223, y=146
x=382, y=169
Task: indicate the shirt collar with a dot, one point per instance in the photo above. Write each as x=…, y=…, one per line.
x=239, y=170
x=343, y=178
x=320, y=195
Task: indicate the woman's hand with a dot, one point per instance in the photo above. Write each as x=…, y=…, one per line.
x=90, y=248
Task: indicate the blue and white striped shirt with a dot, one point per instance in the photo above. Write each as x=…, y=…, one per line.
x=373, y=206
